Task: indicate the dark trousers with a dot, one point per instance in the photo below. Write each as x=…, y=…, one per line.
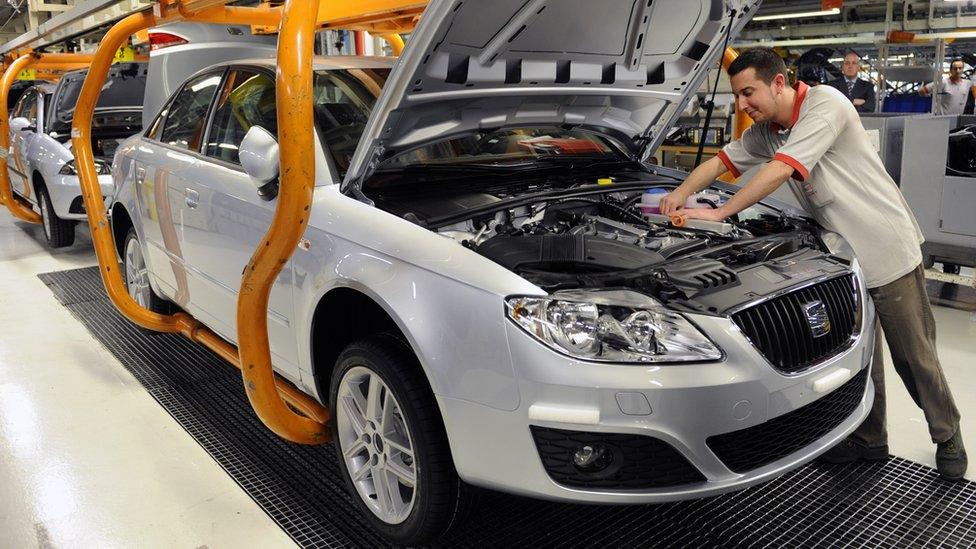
x=909, y=328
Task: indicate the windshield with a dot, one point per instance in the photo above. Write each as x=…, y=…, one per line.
x=118, y=91
x=509, y=146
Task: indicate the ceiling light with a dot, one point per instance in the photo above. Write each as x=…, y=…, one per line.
x=796, y=15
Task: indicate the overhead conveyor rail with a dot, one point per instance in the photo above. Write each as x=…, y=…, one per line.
x=282, y=407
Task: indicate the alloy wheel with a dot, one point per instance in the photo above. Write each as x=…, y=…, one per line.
x=136, y=274
x=376, y=445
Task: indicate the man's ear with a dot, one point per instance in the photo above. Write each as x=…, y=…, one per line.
x=779, y=82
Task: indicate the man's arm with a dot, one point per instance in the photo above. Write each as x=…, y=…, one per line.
x=870, y=100
x=924, y=90
x=699, y=178
x=767, y=180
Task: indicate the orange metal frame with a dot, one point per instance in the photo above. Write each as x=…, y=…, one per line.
x=282, y=407
x=274, y=399
x=19, y=208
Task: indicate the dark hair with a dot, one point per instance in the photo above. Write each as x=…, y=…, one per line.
x=958, y=60
x=764, y=60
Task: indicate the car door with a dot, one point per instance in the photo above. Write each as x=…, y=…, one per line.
x=226, y=225
x=20, y=141
x=165, y=161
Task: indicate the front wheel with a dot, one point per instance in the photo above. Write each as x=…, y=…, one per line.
x=58, y=232
x=391, y=444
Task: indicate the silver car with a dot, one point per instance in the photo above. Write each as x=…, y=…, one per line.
x=484, y=295
x=41, y=165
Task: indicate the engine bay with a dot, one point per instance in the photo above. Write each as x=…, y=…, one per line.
x=598, y=237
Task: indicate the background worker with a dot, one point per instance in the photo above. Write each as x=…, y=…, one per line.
x=858, y=90
x=952, y=92
x=814, y=138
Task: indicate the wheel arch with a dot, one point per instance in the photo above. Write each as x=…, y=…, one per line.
x=357, y=315
x=121, y=223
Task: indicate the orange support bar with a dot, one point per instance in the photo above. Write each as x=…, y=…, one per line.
x=18, y=208
x=267, y=392
x=395, y=41
x=296, y=38
x=101, y=232
x=742, y=120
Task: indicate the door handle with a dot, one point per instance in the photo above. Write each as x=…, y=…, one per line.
x=140, y=175
x=192, y=198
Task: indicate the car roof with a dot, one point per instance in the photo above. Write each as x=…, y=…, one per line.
x=320, y=62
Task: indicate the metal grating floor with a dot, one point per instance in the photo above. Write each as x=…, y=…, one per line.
x=897, y=503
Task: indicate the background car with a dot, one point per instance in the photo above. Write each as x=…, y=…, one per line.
x=42, y=166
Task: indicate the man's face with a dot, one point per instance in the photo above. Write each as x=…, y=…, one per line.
x=755, y=97
x=955, y=70
x=851, y=65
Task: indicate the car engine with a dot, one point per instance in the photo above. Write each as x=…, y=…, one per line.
x=592, y=238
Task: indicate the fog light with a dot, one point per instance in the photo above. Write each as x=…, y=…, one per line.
x=592, y=458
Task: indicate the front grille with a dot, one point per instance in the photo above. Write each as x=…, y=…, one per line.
x=748, y=449
x=638, y=462
x=781, y=331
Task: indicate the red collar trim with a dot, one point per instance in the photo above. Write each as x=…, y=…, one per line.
x=801, y=94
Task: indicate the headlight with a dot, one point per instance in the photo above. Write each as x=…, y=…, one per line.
x=101, y=168
x=611, y=333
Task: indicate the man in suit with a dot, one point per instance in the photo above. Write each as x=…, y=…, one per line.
x=860, y=92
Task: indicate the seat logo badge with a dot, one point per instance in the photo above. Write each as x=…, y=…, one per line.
x=816, y=313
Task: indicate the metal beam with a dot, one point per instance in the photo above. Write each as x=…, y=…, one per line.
x=82, y=17
x=816, y=30
x=863, y=39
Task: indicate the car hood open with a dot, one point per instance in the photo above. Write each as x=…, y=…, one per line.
x=622, y=67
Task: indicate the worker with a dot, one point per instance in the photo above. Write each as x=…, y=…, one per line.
x=814, y=138
x=858, y=90
x=950, y=94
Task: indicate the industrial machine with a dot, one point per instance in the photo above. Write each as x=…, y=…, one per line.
x=940, y=191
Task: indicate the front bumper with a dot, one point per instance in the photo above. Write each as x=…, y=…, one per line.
x=65, y=191
x=688, y=404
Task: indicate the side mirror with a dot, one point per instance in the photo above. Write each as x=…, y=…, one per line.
x=259, y=157
x=20, y=124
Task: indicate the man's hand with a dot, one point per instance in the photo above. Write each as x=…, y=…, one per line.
x=858, y=102
x=708, y=214
x=673, y=201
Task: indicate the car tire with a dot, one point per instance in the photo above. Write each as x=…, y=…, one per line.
x=135, y=275
x=438, y=498
x=58, y=232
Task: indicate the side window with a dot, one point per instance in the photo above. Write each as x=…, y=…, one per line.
x=183, y=125
x=156, y=127
x=343, y=102
x=247, y=99
x=27, y=106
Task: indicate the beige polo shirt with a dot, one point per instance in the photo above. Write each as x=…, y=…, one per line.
x=950, y=97
x=838, y=177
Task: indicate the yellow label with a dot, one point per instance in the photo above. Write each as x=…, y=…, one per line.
x=27, y=74
x=125, y=54
x=604, y=181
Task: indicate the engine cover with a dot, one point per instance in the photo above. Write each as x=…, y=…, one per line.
x=574, y=253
